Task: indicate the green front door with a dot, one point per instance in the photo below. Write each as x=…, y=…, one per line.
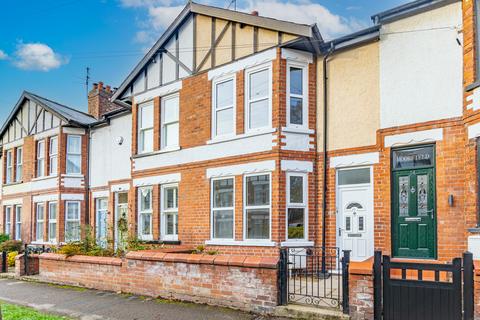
x=413, y=200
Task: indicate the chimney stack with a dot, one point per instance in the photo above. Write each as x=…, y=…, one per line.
x=99, y=102
x=254, y=13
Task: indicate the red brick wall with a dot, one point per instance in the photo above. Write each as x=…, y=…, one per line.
x=246, y=283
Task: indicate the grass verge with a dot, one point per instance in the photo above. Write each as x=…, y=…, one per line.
x=14, y=312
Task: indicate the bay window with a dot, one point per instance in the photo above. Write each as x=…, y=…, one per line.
x=8, y=220
x=40, y=218
x=297, y=195
x=145, y=127
x=74, y=154
x=297, y=101
x=18, y=222
x=223, y=208
x=40, y=158
x=170, y=121
x=223, y=118
x=19, y=165
x=258, y=98
x=145, y=212
x=257, y=206
x=52, y=222
x=170, y=212
x=72, y=221
x=9, y=173
x=53, y=154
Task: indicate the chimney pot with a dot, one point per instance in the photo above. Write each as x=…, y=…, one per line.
x=95, y=86
x=108, y=89
x=100, y=86
x=254, y=13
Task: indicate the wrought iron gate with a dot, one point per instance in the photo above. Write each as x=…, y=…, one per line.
x=423, y=290
x=315, y=276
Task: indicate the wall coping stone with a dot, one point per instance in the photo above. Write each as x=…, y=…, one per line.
x=82, y=259
x=361, y=267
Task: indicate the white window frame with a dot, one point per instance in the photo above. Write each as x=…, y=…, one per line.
x=164, y=212
x=303, y=205
x=8, y=220
x=72, y=220
x=98, y=211
x=74, y=154
x=52, y=221
x=215, y=83
x=9, y=167
x=18, y=222
x=53, y=170
x=37, y=221
x=163, y=124
x=40, y=158
x=141, y=130
x=303, y=96
x=249, y=71
x=246, y=207
x=142, y=236
x=212, y=209
x=19, y=164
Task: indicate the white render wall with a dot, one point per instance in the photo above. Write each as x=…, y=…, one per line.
x=109, y=160
x=421, y=67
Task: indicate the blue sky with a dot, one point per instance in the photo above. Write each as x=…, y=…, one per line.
x=45, y=46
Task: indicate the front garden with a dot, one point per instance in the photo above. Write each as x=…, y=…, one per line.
x=14, y=312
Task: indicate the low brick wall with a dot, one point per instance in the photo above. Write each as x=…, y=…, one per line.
x=241, y=282
x=32, y=265
x=361, y=290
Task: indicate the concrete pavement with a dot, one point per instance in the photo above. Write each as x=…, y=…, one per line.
x=79, y=303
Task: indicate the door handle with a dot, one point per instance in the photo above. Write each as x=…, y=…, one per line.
x=339, y=232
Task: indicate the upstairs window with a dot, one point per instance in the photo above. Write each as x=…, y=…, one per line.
x=297, y=102
x=170, y=123
x=258, y=98
x=53, y=156
x=74, y=154
x=19, y=165
x=145, y=128
x=9, y=173
x=223, y=118
x=40, y=158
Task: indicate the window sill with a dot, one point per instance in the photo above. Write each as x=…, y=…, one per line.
x=44, y=178
x=72, y=175
x=12, y=183
x=246, y=243
x=147, y=154
x=241, y=136
x=298, y=130
x=299, y=243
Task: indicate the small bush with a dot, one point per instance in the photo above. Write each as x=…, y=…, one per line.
x=11, y=258
x=11, y=245
x=72, y=249
x=4, y=237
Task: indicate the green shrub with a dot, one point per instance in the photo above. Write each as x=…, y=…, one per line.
x=72, y=249
x=4, y=237
x=11, y=258
x=11, y=245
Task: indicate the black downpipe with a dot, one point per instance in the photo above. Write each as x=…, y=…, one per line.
x=324, y=160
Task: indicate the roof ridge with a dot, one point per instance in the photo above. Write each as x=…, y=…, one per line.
x=60, y=104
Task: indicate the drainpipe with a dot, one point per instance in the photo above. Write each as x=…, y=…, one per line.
x=87, y=178
x=324, y=158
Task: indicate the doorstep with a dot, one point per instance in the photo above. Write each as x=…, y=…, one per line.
x=297, y=311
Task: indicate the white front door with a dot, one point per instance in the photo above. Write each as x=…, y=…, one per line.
x=355, y=218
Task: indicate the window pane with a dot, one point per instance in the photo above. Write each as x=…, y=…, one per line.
x=146, y=223
x=172, y=226
x=296, y=111
x=73, y=211
x=223, y=193
x=258, y=223
x=146, y=140
x=224, y=94
x=170, y=110
x=40, y=150
x=145, y=199
x=74, y=144
x=73, y=163
x=170, y=198
x=223, y=224
x=296, y=81
x=72, y=231
x=296, y=223
x=258, y=190
x=52, y=212
x=296, y=189
x=53, y=165
x=354, y=176
x=52, y=231
x=53, y=146
x=259, y=84
x=171, y=135
x=224, y=119
x=146, y=116
x=259, y=114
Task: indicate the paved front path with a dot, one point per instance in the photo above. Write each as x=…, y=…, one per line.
x=92, y=305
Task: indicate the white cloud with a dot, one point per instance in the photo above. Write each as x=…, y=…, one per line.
x=37, y=56
x=144, y=3
x=161, y=17
x=3, y=55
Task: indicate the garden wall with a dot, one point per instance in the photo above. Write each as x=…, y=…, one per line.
x=241, y=282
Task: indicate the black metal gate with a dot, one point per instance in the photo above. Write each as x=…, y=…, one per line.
x=423, y=290
x=314, y=276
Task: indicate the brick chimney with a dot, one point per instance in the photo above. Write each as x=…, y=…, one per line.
x=99, y=100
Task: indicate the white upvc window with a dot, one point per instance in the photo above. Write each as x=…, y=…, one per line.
x=297, y=206
x=52, y=222
x=101, y=206
x=72, y=221
x=18, y=222
x=8, y=220
x=258, y=98
x=145, y=127
x=257, y=210
x=145, y=213
x=40, y=158
x=169, y=205
x=19, y=165
x=53, y=154
x=223, y=107
x=74, y=154
x=170, y=121
x=223, y=208
x=40, y=218
x=9, y=173
x=297, y=95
